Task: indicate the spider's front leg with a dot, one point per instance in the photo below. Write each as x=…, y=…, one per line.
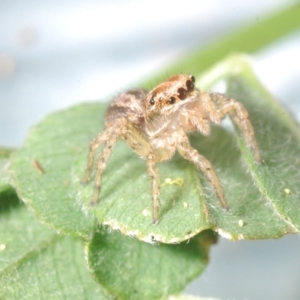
x=239, y=115
x=191, y=154
x=109, y=138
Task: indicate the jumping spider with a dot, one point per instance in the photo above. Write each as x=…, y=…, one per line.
x=155, y=125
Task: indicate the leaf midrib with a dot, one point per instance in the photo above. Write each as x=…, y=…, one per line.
x=27, y=256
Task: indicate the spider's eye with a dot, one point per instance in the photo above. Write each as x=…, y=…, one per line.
x=190, y=85
x=172, y=100
x=152, y=102
x=193, y=78
x=182, y=93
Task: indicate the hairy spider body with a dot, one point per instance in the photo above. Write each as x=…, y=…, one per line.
x=155, y=125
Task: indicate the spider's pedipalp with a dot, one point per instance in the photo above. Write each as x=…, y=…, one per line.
x=210, y=108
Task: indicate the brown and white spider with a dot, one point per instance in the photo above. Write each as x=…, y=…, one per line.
x=156, y=124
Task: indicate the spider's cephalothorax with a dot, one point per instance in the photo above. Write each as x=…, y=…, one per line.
x=156, y=124
x=168, y=96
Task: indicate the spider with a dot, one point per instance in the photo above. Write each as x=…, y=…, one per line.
x=155, y=125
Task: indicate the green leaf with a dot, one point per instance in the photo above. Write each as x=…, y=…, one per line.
x=36, y=263
x=41, y=171
x=276, y=207
x=260, y=205
x=264, y=199
x=130, y=269
x=4, y=174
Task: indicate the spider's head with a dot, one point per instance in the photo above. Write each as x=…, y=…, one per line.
x=169, y=96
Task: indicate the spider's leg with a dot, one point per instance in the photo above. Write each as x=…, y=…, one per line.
x=239, y=116
x=141, y=145
x=110, y=141
x=155, y=185
x=94, y=145
x=191, y=154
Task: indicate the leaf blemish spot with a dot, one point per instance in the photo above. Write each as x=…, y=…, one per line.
x=146, y=212
x=38, y=167
x=178, y=181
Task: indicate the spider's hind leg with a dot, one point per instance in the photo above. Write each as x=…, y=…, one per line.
x=109, y=137
x=94, y=145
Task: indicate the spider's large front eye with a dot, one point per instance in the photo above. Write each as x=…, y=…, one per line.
x=190, y=85
x=193, y=78
x=172, y=100
x=182, y=93
x=152, y=102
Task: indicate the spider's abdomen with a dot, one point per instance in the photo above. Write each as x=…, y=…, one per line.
x=128, y=106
